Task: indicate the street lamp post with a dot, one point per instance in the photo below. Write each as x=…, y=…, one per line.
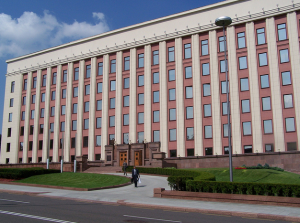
x=226, y=21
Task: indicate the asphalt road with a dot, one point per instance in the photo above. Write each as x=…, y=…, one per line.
x=30, y=208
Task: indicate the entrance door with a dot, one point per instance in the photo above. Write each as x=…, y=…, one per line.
x=123, y=157
x=138, y=158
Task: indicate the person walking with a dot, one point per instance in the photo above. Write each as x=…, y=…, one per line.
x=124, y=168
x=135, y=175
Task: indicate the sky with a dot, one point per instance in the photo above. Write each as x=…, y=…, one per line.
x=32, y=25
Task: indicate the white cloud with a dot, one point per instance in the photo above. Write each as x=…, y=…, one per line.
x=32, y=32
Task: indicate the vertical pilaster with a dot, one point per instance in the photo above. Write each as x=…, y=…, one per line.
x=119, y=104
x=67, y=142
x=133, y=96
x=104, y=137
x=27, y=117
x=147, y=94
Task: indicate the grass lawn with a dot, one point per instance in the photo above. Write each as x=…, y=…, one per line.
x=254, y=175
x=77, y=180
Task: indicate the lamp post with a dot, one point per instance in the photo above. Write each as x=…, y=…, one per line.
x=226, y=21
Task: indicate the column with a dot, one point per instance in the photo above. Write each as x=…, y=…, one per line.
x=67, y=142
x=104, y=136
x=119, y=101
x=132, y=97
x=147, y=94
x=27, y=117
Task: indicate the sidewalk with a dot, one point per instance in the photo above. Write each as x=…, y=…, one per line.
x=143, y=197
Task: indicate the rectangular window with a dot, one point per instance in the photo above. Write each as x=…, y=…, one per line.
x=125, y=138
x=190, y=152
x=22, y=131
x=111, y=121
x=44, y=81
x=63, y=93
x=286, y=78
x=33, y=99
x=24, y=100
x=126, y=101
x=208, y=132
x=155, y=116
x=189, y=112
x=189, y=92
x=268, y=127
x=172, y=114
x=126, y=83
x=13, y=86
x=88, y=71
x=172, y=94
x=113, y=66
x=264, y=81
x=171, y=54
x=112, y=85
x=208, y=151
x=245, y=106
x=9, y=132
x=98, y=122
x=41, y=128
x=32, y=114
x=87, y=89
x=140, y=137
x=31, y=130
x=99, y=105
x=52, y=111
x=126, y=63
x=246, y=128
x=189, y=133
x=281, y=32
x=74, y=125
x=100, y=68
x=206, y=89
x=187, y=51
x=11, y=102
x=247, y=149
x=86, y=123
x=141, y=60
x=112, y=103
x=241, y=40
x=288, y=101
x=224, y=108
x=62, y=126
x=222, y=66
x=51, y=127
x=205, y=69
x=8, y=147
x=243, y=63
x=40, y=144
x=188, y=72
x=171, y=75
x=141, y=99
x=85, y=141
x=86, y=106
x=207, y=110
x=204, y=47
x=54, y=76
x=73, y=143
x=224, y=87
x=75, y=108
x=221, y=44
x=261, y=36
x=173, y=153
x=141, y=80
x=53, y=95
x=244, y=84
x=141, y=118
x=290, y=124
x=291, y=146
x=156, y=137
x=284, y=56
x=34, y=79
x=75, y=92
x=42, y=112
x=126, y=119
x=155, y=57
x=65, y=76
x=263, y=59
x=225, y=130
x=269, y=147
x=155, y=78
x=98, y=140
x=23, y=115
x=172, y=134
x=43, y=97
x=76, y=73
x=99, y=87
x=155, y=96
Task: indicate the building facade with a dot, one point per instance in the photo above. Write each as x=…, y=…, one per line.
x=159, y=86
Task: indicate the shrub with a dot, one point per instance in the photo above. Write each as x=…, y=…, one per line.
x=20, y=173
x=266, y=166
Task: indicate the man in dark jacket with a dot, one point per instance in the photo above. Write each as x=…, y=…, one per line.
x=135, y=176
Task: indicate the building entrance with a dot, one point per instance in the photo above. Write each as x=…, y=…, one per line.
x=123, y=157
x=138, y=158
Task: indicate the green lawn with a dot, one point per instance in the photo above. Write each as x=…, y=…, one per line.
x=77, y=180
x=254, y=175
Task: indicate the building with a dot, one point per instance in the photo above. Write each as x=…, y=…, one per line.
x=159, y=87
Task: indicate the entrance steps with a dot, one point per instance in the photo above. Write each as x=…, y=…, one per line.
x=104, y=169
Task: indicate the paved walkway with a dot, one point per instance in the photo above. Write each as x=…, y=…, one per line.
x=143, y=196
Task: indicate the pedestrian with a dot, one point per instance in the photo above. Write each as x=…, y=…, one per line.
x=124, y=168
x=135, y=176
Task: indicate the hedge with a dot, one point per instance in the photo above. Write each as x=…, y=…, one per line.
x=286, y=190
x=20, y=173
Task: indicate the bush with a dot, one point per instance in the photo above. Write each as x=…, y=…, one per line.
x=20, y=173
x=266, y=166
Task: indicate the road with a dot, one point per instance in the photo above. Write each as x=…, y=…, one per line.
x=32, y=208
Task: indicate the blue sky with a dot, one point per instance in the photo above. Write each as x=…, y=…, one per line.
x=32, y=25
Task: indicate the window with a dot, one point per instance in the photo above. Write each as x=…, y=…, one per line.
x=125, y=138
x=291, y=146
x=75, y=108
x=243, y=63
x=33, y=99
x=42, y=112
x=24, y=100
x=207, y=110
x=141, y=99
x=225, y=130
x=126, y=101
x=188, y=72
x=172, y=114
x=205, y=69
x=12, y=86
x=41, y=128
x=206, y=89
x=141, y=60
x=8, y=147
x=245, y=106
x=172, y=134
x=99, y=87
x=155, y=96
x=85, y=141
x=221, y=44
x=172, y=94
x=22, y=131
x=171, y=54
x=9, y=132
x=284, y=56
x=126, y=63
x=62, y=126
x=281, y=31
x=224, y=108
x=87, y=89
x=189, y=92
x=263, y=60
x=54, y=76
x=75, y=92
x=189, y=133
x=187, y=51
x=141, y=118
x=64, y=77
x=63, y=93
x=224, y=87
x=156, y=137
x=51, y=127
x=21, y=146
x=98, y=122
x=44, y=80
x=268, y=127
x=112, y=103
x=86, y=123
x=208, y=132
x=112, y=85
x=261, y=36
x=22, y=118
x=288, y=100
x=98, y=140
x=241, y=40
x=32, y=114
x=246, y=128
x=113, y=66
x=155, y=77
x=53, y=95
x=244, y=84
x=111, y=121
x=74, y=125
x=155, y=57
x=171, y=75
x=100, y=68
x=11, y=102
x=247, y=149
x=266, y=103
x=99, y=105
x=126, y=83
x=264, y=81
x=290, y=124
x=140, y=137
x=88, y=71
x=269, y=147
x=286, y=78
x=52, y=111
x=76, y=73
x=31, y=130
x=208, y=151
x=141, y=80
x=189, y=112
x=34, y=82
x=43, y=97
x=86, y=106
x=222, y=66
x=126, y=119
x=173, y=153
x=190, y=152
x=204, y=47
x=155, y=116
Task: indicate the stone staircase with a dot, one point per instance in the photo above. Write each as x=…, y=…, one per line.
x=104, y=169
